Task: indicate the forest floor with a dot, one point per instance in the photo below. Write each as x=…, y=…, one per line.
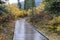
x=7, y=30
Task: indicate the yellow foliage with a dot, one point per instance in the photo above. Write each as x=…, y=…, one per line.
x=29, y=12
x=41, y=7
x=55, y=20
x=36, y=10
x=58, y=28
x=16, y=11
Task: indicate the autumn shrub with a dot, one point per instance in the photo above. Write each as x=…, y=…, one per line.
x=29, y=12
x=6, y=23
x=46, y=20
x=16, y=11
x=6, y=18
x=5, y=14
x=36, y=11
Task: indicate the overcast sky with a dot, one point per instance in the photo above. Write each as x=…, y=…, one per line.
x=14, y=1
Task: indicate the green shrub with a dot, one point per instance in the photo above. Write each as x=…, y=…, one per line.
x=58, y=28
x=54, y=24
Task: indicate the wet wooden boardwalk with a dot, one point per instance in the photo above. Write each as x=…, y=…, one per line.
x=24, y=31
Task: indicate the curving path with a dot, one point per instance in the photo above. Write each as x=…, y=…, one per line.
x=24, y=31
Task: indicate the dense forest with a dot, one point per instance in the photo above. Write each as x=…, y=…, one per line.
x=45, y=17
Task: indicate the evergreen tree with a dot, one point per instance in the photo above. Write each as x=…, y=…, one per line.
x=19, y=4
x=3, y=8
x=1, y=2
x=53, y=6
x=28, y=4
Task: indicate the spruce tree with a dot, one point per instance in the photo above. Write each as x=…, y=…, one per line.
x=19, y=4
x=1, y=2
x=28, y=4
x=53, y=6
x=3, y=8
